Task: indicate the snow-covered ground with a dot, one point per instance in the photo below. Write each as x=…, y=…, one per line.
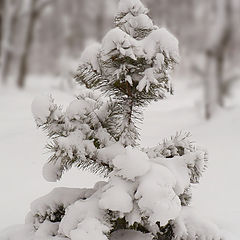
x=23, y=154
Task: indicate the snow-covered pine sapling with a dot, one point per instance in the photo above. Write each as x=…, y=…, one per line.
x=148, y=191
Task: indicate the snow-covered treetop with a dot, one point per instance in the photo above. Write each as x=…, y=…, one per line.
x=132, y=18
x=131, y=64
x=129, y=49
x=135, y=7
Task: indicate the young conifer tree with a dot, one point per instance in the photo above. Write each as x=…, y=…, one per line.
x=148, y=190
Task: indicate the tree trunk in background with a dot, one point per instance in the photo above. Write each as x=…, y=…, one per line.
x=211, y=89
x=215, y=55
x=220, y=78
x=34, y=12
x=1, y=25
x=28, y=39
x=9, y=23
x=221, y=49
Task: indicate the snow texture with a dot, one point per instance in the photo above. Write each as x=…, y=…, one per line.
x=78, y=212
x=89, y=56
x=108, y=153
x=135, y=7
x=141, y=21
x=189, y=225
x=117, y=41
x=58, y=197
x=52, y=171
x=77, y=108
x=19, y=232
x=74, y=132
x=156, y=196
x=88, y=229
x=161, y=41
x=131, y=24
x=133, y=163
x=116, y=196
x=178, y=167
x=147, y=80
x=47, y=229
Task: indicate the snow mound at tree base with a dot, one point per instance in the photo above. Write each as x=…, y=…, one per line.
x=25, y=232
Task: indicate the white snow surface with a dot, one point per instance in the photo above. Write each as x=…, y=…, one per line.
x=17, y=232
x=52, y=171
x=146, y=81
x=117, y=40
x=161, y=40
x=155, y=47
x=107, y=154
x=177, y=166
x=77, y=108
x=141, y=21
x=77, y=213
x=133, y=163
x=89, y=229
x=116, y=196
x=58, y=197
x=47, y=229
x=195, y=227
x=156, y=196
x=130, y=23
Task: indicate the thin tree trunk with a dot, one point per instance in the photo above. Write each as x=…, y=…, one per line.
x=211, y=89
x=23, y=61
x=9, y=26
x=222, y=48
x=1, y=25
x=220, y=78
x=7, y=38
x=34, y=13
x=214, y=79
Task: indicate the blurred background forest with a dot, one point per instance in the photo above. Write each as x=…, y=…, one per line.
x=46, y=37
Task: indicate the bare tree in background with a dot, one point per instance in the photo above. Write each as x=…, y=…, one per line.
x=63, y=33
x=27, y=42
x=35, y=9
x=9, y=16
x=205, y=27
x=1, y=28
x=18, y=27
x=220, y=35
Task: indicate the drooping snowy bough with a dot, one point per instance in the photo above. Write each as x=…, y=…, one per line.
x=148, y=191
